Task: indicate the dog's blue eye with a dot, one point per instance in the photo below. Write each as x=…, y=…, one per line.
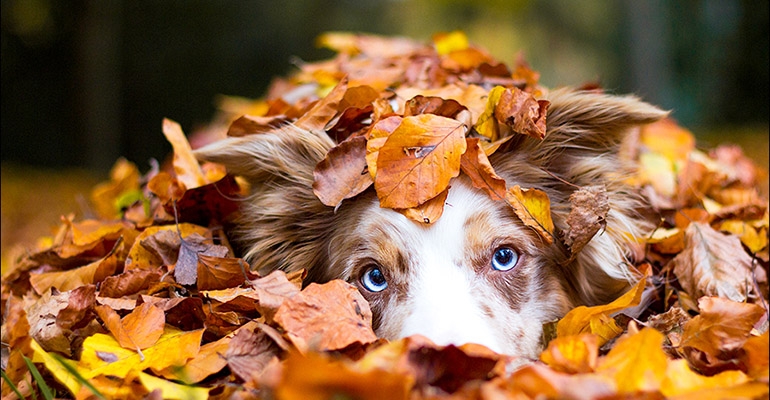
x=374, y=280
x=504, y=259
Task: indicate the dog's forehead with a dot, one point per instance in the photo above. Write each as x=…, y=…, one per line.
x=468, y=212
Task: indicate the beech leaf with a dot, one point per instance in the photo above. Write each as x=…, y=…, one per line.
x=713, y=264
x=533, y=207
x=587, y=215
x=342, y=174
x=418, y=159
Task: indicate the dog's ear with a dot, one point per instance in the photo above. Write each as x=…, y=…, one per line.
x=283, y=224
x=584, y=133
x=585, y=127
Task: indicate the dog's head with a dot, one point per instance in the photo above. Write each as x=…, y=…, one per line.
x=478, y=274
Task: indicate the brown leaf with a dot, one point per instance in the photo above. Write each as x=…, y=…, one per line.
x=418, y=160
x=342, y=174
x=42, y=316
x=221, y=272
x=711, y=340
x=186, y=267
x=522, y=112
x=92, y=273
x=587, y=215
x=475, y=164
x=249, y=125
x=249, y=352
x=185, y=313
x=272, y=291
x=533, y=207
x=326, y=317
x=136, y=331
x=128, y=283
x=207, y=204
x=713, y=264
x=433, y=105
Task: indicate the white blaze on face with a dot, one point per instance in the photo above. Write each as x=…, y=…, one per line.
x=442, y=302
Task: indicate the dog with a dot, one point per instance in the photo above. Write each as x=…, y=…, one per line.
x=478, y=274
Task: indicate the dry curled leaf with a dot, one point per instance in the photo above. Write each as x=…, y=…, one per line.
x=713, y=264
x=587, y=215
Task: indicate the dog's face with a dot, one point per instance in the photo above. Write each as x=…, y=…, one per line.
x=478, y=274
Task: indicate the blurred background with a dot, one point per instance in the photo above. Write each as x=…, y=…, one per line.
x=85, y=82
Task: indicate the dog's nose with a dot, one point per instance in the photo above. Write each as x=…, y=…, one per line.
x=443, y=309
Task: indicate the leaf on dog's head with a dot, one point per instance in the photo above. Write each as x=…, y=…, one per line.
x=342, y=174
x=522, y=112
x=533, y=207
x=587, y=215
x=324, y=110
x=418, y=160
x=428, y=212
x=477, y=167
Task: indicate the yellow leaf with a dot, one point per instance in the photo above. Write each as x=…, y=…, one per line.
x=586, y=319
x=533, y=207
x=171, y=390
x=637, y=362
x=668, y=139
x=103, y=355
x=186, y=166
x=486, y=125
x=53, y=366
x=680, y=379
x=448, y=42
x=572, y=354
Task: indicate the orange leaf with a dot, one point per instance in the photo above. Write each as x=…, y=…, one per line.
x=476, y=165
x=138, y=330
x=316, y=377
x=636, y=362
x=220, y=272
x=324, y=110
x=533, y=207
x=67, y=280
x=342, y=174
x=326, y=317
x=418, y=160
x=428, y=212
x=710, y=340
x=186, y=166
x=378, y=135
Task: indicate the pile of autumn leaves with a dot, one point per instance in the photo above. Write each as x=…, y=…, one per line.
x=147, y=296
